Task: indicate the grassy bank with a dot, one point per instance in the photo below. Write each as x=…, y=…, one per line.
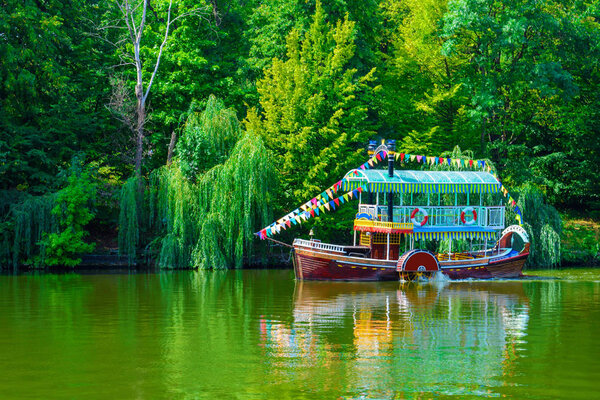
x=580, y=240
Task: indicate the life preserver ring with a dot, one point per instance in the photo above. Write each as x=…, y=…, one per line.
x=414, y=213
x=466, y=210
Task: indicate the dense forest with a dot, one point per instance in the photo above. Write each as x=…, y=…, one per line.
x=176, y=129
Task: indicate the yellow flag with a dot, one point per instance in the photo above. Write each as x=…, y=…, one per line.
x=345, y=197
x=322, y=208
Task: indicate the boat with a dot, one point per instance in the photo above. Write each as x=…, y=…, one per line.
x=402, y=215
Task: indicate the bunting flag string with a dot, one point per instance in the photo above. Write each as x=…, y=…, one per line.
x=324, y=201
x=331, y=205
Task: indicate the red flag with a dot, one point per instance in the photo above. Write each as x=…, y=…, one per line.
x=441, y=160
x=401, y=157
x=470, y=163
x=337, y=202
x=378, y=157
x=359, y=189
x=288, y=223
x=312, y=212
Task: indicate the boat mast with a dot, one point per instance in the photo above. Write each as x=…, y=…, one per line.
x=391, y=147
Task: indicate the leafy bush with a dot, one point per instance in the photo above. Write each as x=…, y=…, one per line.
x=580, y=241
x=73, y=212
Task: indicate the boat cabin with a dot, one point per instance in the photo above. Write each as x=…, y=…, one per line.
x=397, y=208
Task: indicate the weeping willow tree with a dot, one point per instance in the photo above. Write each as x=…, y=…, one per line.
x=129, y=227
x=203, y=208
x=30, y=220
x=208, y=138
x=544, y=226
x=238, y=206
x=174, y=214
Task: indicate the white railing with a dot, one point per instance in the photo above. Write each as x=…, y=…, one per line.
x=495, y=217
x=312, y=244
x=440, y=216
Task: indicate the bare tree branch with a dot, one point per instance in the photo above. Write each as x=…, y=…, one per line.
x=160, y=50
x=132, y=23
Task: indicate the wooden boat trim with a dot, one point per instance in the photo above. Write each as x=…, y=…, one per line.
x=334, y=257
x=366, y=265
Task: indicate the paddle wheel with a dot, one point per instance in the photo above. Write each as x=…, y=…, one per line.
x=416, y=264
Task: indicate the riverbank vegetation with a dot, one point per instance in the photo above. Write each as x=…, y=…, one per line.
x=177, y=147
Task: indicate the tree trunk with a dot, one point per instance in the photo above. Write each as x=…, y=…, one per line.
x=171, y=147
x=141, y=116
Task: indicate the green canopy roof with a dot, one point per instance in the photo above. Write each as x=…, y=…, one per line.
x=405, y=181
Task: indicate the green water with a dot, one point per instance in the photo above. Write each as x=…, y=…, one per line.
x=260, y=334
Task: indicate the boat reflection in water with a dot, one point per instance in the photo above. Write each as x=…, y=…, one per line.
x=441, y=338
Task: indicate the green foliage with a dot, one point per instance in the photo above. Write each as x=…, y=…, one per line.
x=73, y=211
x=549, y=247
x=207, y=138
x=238, y=207
x=314, y=108
x=544, y=226
x=205, y=219
x=580, y=241
x=50, y=230
x=174, y=215
x=129, y=218
x=61, y=249
x=30, y=221
x=423, y=99
x=51, y=91
x=210, y=224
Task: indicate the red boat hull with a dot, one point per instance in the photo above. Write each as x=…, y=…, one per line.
x=332, y=266
x=504, y=268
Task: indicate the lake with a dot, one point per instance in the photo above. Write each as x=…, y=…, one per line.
x=258, y=334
